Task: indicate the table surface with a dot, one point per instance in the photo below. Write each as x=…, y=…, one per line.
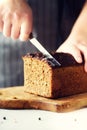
x=42, y=120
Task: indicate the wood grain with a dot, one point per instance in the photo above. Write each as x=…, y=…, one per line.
x=17, y=98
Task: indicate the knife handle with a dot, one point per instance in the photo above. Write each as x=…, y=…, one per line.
x=31, y=35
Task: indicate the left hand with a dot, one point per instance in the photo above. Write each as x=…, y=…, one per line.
x=75, y=48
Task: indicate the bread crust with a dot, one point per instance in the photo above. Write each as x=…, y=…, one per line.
x=42, y=78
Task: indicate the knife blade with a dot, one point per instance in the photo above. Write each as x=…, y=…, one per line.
x=39, y=46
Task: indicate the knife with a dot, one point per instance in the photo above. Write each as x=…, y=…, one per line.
x=39, y=46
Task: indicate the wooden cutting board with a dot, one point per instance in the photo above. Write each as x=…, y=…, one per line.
x=17, y=98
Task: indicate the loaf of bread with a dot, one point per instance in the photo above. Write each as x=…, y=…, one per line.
x=42, y=77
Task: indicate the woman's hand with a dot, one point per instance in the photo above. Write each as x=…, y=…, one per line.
x=76, y=43
x=15, y=19
x=76, y=47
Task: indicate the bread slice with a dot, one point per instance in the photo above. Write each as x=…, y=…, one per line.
x=17, y=98
x=42, y=77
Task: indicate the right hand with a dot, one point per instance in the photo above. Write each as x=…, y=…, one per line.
x=15, y=19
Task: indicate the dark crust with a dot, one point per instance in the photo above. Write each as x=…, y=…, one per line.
x=64, y=59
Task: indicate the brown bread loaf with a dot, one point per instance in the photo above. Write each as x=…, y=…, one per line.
x=42, y=77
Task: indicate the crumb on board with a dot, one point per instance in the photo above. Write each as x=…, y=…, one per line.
x=4, y=118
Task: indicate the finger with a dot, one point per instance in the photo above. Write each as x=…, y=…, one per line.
x=85, y=67
x=1, y=26
x=26, y=29
x=15, y=30
x=77, y=55
x=83, y=48
x=7, y=28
